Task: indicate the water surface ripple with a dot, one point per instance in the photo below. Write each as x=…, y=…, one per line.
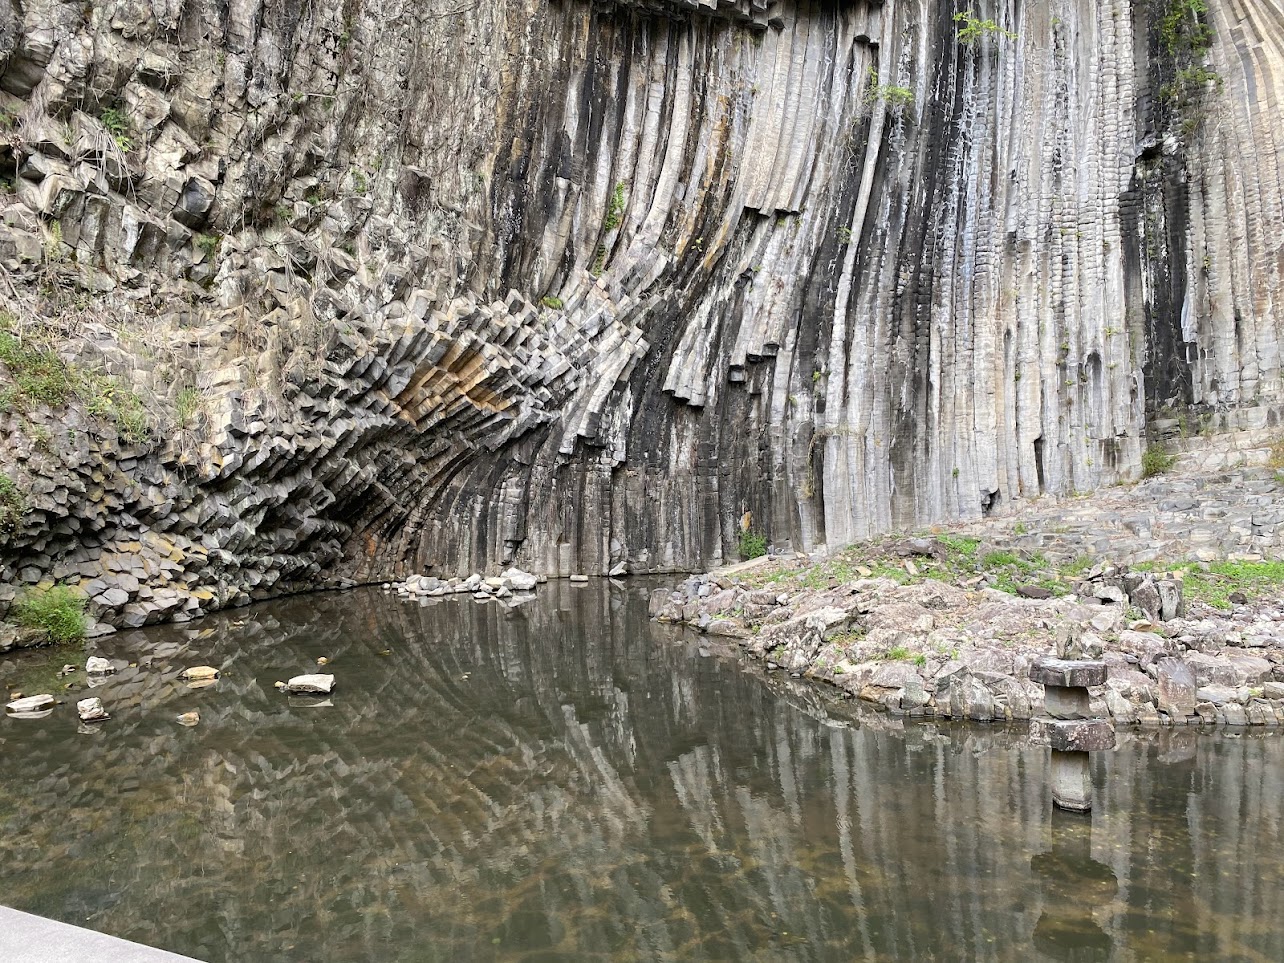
x=567, y=781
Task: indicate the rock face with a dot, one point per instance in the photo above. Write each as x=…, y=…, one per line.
x=575, y=285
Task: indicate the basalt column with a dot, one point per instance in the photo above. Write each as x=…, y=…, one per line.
x=1071, y=731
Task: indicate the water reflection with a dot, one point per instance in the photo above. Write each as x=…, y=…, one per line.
x=1075, y=888
x=567, y=781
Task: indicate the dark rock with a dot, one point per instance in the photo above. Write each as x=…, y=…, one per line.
x=1083, y=735
x=1068, y=673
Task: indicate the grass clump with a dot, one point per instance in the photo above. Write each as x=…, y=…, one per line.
x=40, y=377
x=188, y=405
x=551, y=302
x=962, y=545
x=752, y=545
x=13, y=504
x=55, y=610
x=1215, y=585
x=1156, y=460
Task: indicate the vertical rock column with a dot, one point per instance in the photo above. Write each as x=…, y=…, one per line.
x=1071, y=731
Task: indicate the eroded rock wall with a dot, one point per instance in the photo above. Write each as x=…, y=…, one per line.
x=569, y=284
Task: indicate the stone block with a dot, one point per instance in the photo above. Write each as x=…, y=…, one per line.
x=1068, y=673
x=1073, y=735
x=1177, y=686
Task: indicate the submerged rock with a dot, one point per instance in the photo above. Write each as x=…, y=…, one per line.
x=520, y=581
x=189, y=718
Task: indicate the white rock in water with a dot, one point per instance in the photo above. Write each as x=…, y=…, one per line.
x=190, y=718
x=100, y=666
x=318, y=684
x=35, y=703
x=520, y=581
x=198, y=673
x=579, y=579
x=91, y=710
x=619, y=569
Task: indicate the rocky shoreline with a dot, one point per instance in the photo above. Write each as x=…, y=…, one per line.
x=911, y=627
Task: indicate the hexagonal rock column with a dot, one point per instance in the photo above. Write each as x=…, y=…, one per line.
x=1071, y=733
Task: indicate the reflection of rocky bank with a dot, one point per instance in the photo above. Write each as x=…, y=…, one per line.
x=549, y=778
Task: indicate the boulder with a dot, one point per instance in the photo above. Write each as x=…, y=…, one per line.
x=309, y=685
x=200, y=673
x=1068, y=673
x=31, y=705
x=91, y=710
x=519, y=581
x=98, y=666
x=1177, y=685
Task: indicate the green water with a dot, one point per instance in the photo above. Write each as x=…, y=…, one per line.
x=567, y=781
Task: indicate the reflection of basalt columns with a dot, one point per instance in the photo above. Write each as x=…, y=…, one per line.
x=1073, y=884
x=1070, y=732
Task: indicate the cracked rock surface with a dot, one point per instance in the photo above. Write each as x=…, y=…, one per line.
x=570, y=286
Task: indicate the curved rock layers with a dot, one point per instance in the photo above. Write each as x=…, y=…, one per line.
x=565, y=285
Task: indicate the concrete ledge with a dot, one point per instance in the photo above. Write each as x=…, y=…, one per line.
x=24, y=937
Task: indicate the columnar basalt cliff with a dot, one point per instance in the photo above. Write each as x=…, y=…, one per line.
x=566, y=284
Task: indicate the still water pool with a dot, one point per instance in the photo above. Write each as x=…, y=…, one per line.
x=566, y=781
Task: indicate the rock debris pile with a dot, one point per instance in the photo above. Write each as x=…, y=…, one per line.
x=934, y=649
x=513, y=586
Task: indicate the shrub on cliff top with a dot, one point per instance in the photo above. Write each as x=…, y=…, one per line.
x=56, y=610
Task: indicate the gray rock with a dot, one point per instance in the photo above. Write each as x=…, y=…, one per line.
x=29, y=705
x=309, y=685
x=1070, y=673
x=98, y=666
x=1218, y=695
x=1176, y=687
x=91, y=710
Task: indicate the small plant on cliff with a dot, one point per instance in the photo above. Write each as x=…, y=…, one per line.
x=972, y=29
x=1156, y=460
x=752, y=545
x=117, y=125
x=551, y=302
x=13, y=504
x=1184, y=27
x=615, y=209
x=187, y=405
x=209, y=243
x=57, y=611
x=897, y=98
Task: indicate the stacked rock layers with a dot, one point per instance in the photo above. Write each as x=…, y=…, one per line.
x=570, y=285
